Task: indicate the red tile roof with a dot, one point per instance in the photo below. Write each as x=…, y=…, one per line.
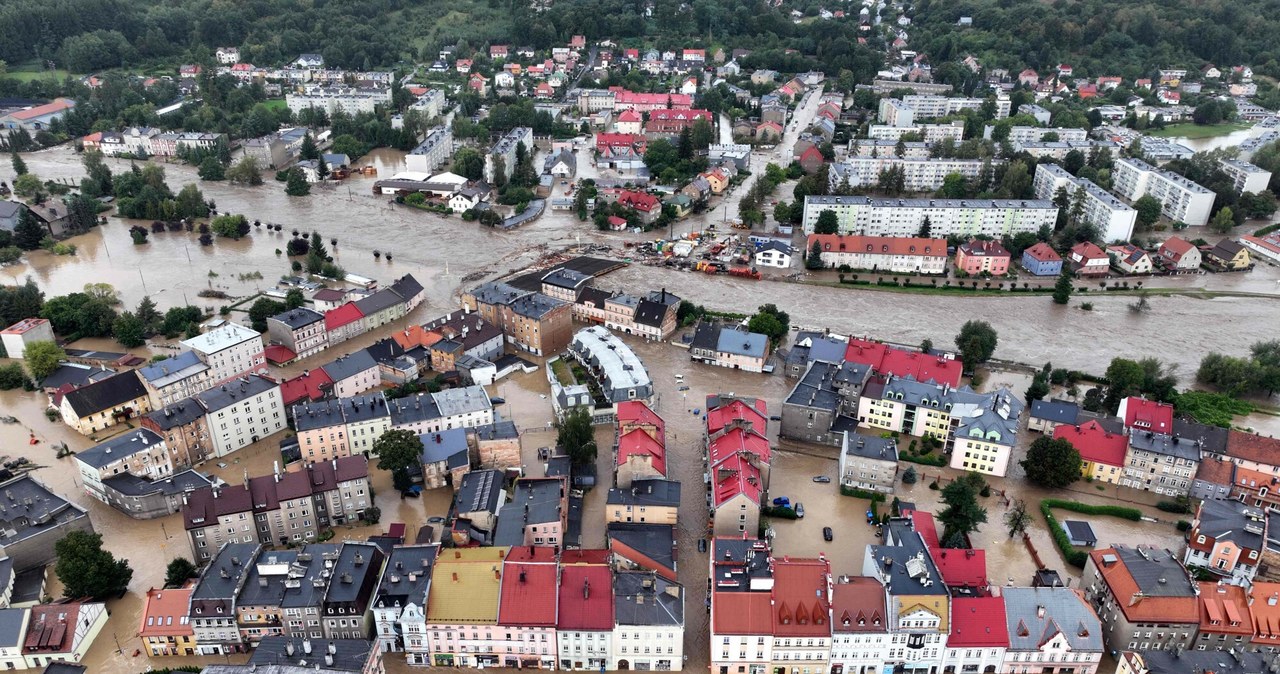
x=736, y=476
x=978, y=622
x=595, y=556
x=629, y=115
x=1264, y=612
x=57, y=105
x=983, y=248
x=742, y=613
x=632, y=413
x=623, y=97
x=1043, y=252
x=304, y=387
x=677, y=115
x=902, y=363
x=529, y=591
x=1089, y=251
x=961, y=568
x=1148, y=415
x=924, y=525
x=738, y=442
x=586, y=598
x=639, y=443
x=51, y=628
x=1095, y=443
x=279, y=353
x=883, y=245
x=165, y=613
x=1224, y=609
x=800, y=607
x=720, y=417
x=1252, y=447
x=858, y=606
x=641, y=201
x=1130, y=600
x=343, y=315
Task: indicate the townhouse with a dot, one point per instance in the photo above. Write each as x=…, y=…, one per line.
x=1102, y=453
x=639, y=444
x=918, y=175
x=445, y=458
x=60, y=633
x=301, y=604
x=352, y=373
x=331, y=429
x=102, y=404
x=259, y=610
x=380, y=308
x=738, y=459
x=741, y=620
x=400, y=602
x=1165, y=464
x=182, y=426
x=618, y=373
x=462, y=608
x=527, y=608
x=279, y=508
x=1178, y=254
x=729, y=346
x=800, y=613
x=584, y=622
x=1181, y=200
x=899, y=255
x=979, y=637
x=648, y=622
x=174, y=379
x=1225, y=620
x=242, y=412
x=824, y=401
x=454, y=336
x=345, y=609
x=165, y=625
x=140, y=452
x=349, y=656
x=300, y=330
x=936, y=367
x=467, y=407
x=860, y=636
x=1113, y=219
x=1227, y=539
x=645, y=501
x=867, y=462
x=476, y=504
x=1047, y=415
x=231, y=351
x=533, y=322
x=1143, y=598
x=343, y=322
x=213, y=600
x=1051, y=627
x=919, y=605
x=868, y=216
x=537, y=515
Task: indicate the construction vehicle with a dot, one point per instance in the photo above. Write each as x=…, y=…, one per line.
x=744, y=272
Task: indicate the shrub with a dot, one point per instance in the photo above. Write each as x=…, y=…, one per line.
x=985, y=491
x=1179, y=507
x=934, y=485
x=873, y=496
x=780, y=512
x=909, y=476
x=1184, y=525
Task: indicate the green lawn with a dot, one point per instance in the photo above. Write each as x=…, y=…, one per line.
x=275, y=104
x=29, y=72
x=1195, y=130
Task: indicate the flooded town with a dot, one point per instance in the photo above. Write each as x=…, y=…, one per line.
x=621, y=353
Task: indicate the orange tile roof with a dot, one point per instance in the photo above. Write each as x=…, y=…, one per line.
x=742, y=613
x=800, y=607
x=883, y=245
x=1252, y=447
x=1264, y=612
x=165, y=613
x=1135, y=606
x=1224, y=609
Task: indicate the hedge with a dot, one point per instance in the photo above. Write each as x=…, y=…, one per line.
x=1074, y=557
x=1176, y=507
x=781, y=512
x=935, y=460
x=873, y=496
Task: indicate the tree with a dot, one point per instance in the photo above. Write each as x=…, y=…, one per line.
x=1039, y=387
x=179, y=571
x=308, y=149
x=245, y=172
x=19, y=166
x=962, y=514
x=575, y=436
x=27, y=185
x=1017, y=519
x=814, y=261
x=1052, y=462
x=828, y=223
x=1148, y=208
x=771, y=322
x=702, y=134
x=1223, y=221
x=262, y=309
x=129, y=331
x=909, y=476
x=397, y=450
x=230, y=226
x=42, y=358
x=468, y=163
x=954, y=186
x=190, y=203
x=86, y=570
x=1063, y=286
x=296, y=185
x=976, y=342
x=150, y=317
x=212, y=169
x=28, y=233
x=139, y=234
x=294, y=299
x=13, y=377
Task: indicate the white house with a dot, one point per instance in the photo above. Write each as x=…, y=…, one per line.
x=242, y=412
x=773, y=254
x=228, y=55
x=230, y=351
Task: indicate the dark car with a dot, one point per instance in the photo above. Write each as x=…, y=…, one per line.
x=821, y=479
x=827, y=534
x=702, y=545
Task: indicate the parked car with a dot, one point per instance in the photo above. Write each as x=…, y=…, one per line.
x=799, y=510
x=412, y=492
x=702, y=545
x=782, y=502
x=821, y=479
x=827, y=534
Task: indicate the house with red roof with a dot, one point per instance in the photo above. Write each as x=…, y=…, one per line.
x=629, y=122
x=1087, y=91
x=1107, y=83
x=61, y=632
x=738, y=458
x=310, y=386
x=1178, y=254
x=1042, y=260
x=528, y=607
x=478, y=83
x=499, y=51
x=584, y=622
x=343, y=323
x=578, y=42
x=622, y=141
x=647, y=206
x=1028, y=77
x=1102, y=453
x=891, y=360
x=672, y=122
x=165, y=627
x=961, y=569
x=1140, y=414
x=979, y=636
x=544, y=91
x=811, y=159
x=640, y=444
x=1087, y=259
x=980, y=256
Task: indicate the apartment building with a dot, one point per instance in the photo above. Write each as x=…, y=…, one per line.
x=1051, y=628
x=930, y=133
x=231, y=351
x=503, y=153
x=213, y=600
x=869, y=463
x=860, y=639
x=352, y=373
x=979, y=638
x=584, y=625
x=824, y=398
x=1143, y=598
x=896, y=113
x=140, y=452
x=300, y=330
x=1165, y=464
x=648, y=622
x=918, y=603
x=102, y=404
x=400, y=603
x=421, y=413
x=867, y=216
x=277, y=509
x=34, y=519
x=241, y=412
x=899, y=255
x=301, y=605
x=321, y=430
x=639, y=444
x=800, y=612
x=259, y=610
x=174, y=379
x=435, y=150
x=1181, y=200
x=919, y=175
x=334, y=98
x=345, y=609
x=986, y=432
x=1059, y=149
x=538, y=514
x=1245, y=177
x=462, y=608
x=930, y=107
x=645, y=501
x=527, y=607
x=1113, y=218
x=871, y=147
x=165, y=626
x=1031, y=134
x=1227, y=539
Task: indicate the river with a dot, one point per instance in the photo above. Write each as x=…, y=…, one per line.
x=1213, y=142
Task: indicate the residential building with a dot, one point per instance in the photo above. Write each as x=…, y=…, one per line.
x=1174, y=662
x=105, y=403
x=1178, y=254
x=1129, y=259
x=1165, y=464
x=334, y=98
x=503, y=153
x=773, y=254
x=899, y=255
x=445, y=458
x=536, y=323
x=1087, y=259
x=1228, y=255
x=936, y=367
x=140, y=452
x=1102, y=453
x=352, y=374
x=584, y=624
x=728, y=346
x=527, y=608
x=738, y=458
x=919, y=175
x=476, y=503
x=824, y=401
x=869, y=463
x=537, y=515
x=343, y=322
x=931, y=106
x=1031, y=134
x=918, y=605
x=259, y=606
x=1245, y=177
x=1049, y=627
x=231, y=351
x=166, y=624
x=400, y=603
x=1143, y=597
x=33, y=519
x=741, y=606
x=321, y=430
x=174, y=379
x=646, y=501
x=980, y=256
x=50, y=644
x=497, y=444
x=462, y=608
x=931, y=134
x=300, y=330
x=242, y=412
x=986, y=433
x=366, y=418
x=1113, y=219
x=1047, y=415
x=279, y=508
x=618, y=372
x=800, y=608
x=1227, y=539
x=1058, y=150
x=466, y=407
x=979, y=637
x=860, y=640
x=1225, y=620
x=213, y=599
x=16, y=337
x=344, y=656
x=648, y=622
x=348, y=599
x=1042, y=260
x=879, y=217
x=643, y=547
x=435, y=150
x=639, y=444
x=1181, y=200
x=1264, y=608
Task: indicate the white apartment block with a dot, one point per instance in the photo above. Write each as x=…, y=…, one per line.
x=1023, y=134
x=505, y=149
x=429, y=104
x=331, y=99
x=928, y=107
x=1113, y=218
x=1245, y=177
x=432, y=153
x=1043, y=116
x=894, y=112
x=870, y=147
x=242, y=412
x=996, y=218
x=140, y=452
x=1059, y=149
x=230, y=351
x=921, y=175
x=1180, y=199
x=931, y=133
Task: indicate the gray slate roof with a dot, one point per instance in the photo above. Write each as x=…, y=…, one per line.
x=235, y=559
x=1064, y=612
x=348, y=654
x=445, y=446
x=655, y=541
x=396, y=584
x=119, y=447
x=647, y=492
x=298, y=318
x=235, y=391
x=742, y=343
x=132, y=485
x=1057, y=411
x=1150, y=566
x=479, y=492
x=872, y=447
x=105, y=394
x=177, y=414
x=1165, y=445
x=28, y=508
x=349, y=366
x=1232, y=521
x=12, y=621
x=662, y=603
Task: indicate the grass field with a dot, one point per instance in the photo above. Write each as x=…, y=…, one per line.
x=1196, y=130
x=275, y=104
x=29, y=72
